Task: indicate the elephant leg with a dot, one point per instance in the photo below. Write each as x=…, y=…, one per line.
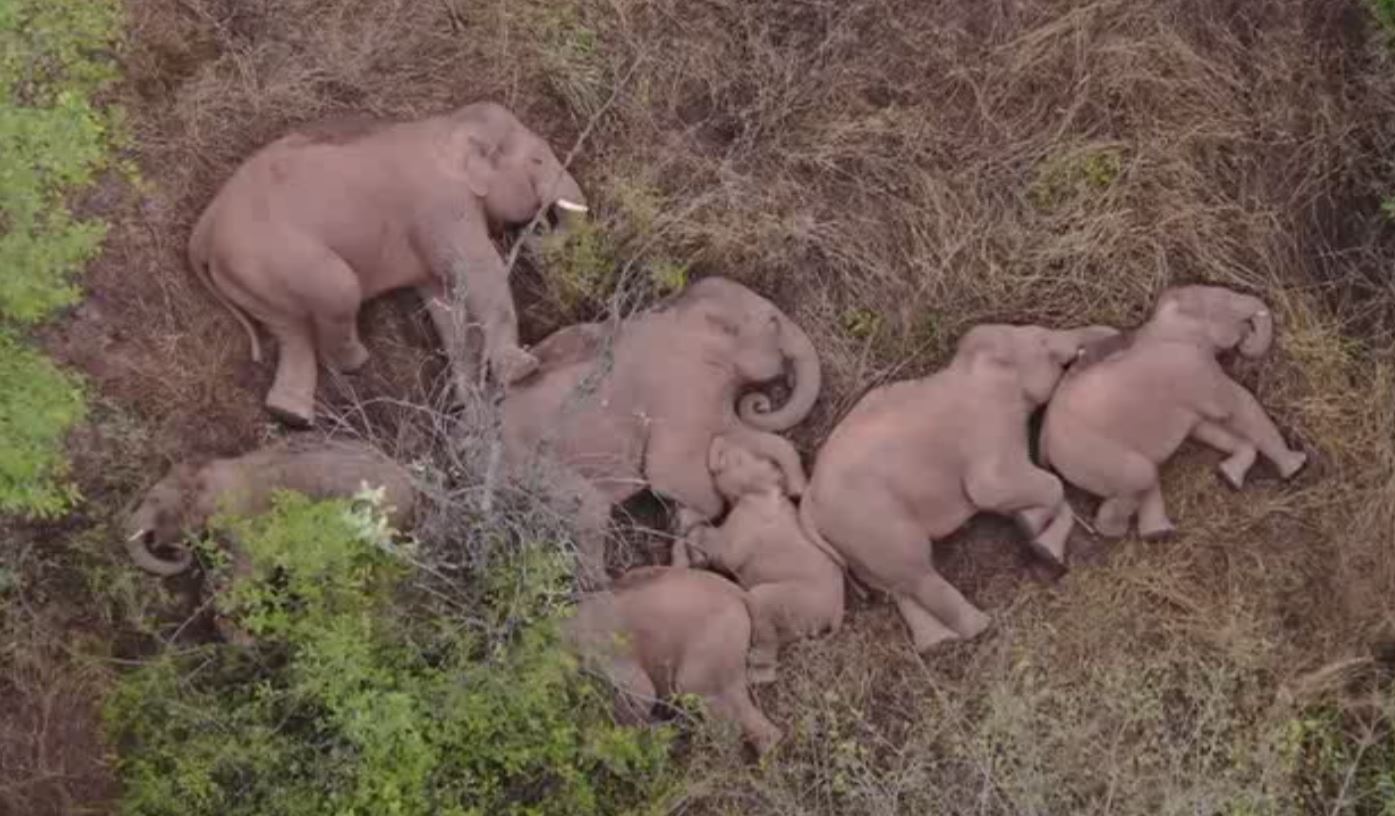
x=334, y=315
x=460, y=340
x=1029, y=494
x=676, y=467
x=1153, y=523
x=1249, y=420
x=590, y=507
x=769, y=607
x=734, y=703
x=634, y=690
x=927, y=631
x=940, y=598
x=1114, y=514
x=292, y=395
x=1240, y=453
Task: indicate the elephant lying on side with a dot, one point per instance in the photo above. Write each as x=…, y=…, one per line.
x=605, y=416
x=796, y=589
x=915, y=460
x=332, y=215
x=191, y=494
x=1111, y=424
x=663, y=631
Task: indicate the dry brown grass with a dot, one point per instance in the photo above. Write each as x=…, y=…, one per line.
x=892, y=173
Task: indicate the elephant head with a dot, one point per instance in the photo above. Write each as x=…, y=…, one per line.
x=755, y=462
x=768, y=346
x=1036, y=356
x=1222, y=318
x=512, y=169
x=159, y=520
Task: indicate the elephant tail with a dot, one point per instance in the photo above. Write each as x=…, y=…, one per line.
x=811, y=531
x=199, y=260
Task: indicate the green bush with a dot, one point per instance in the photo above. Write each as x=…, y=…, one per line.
x=55, y=56
x=38, y=403
x=353, y=703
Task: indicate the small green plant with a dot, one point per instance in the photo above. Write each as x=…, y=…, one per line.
x=1062, y=178
x=1337, y=761
x=1385, y=14
x=861, y=323
x=1387, y=207
x=356, y=700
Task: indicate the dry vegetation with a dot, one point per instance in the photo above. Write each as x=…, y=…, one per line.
x=890, y=173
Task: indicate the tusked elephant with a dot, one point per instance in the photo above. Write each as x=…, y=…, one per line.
x=332, y=215
x=664, y=631
x=609, y=413
x=1111, y=424
x=795, y=588
x=913, y=461
x=192, y=493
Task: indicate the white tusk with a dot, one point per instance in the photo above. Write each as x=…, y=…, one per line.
x=138, y=534
x=572, y=206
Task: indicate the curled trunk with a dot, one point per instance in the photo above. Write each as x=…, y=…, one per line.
x=138, y=544
x=756, y=410
x=1260, y=336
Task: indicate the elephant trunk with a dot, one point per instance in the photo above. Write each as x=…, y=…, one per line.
x=140, y=537
x=755, y=409
x=1257, y=340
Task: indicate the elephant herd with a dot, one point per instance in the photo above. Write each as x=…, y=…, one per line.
x=670, y=400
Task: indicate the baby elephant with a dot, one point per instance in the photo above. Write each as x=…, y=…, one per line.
x=913, y=461
x=796, y=588
x=191, y=494
x=662, y=631
x=1112, y=423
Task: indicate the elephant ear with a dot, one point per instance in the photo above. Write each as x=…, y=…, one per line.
x=480, y=164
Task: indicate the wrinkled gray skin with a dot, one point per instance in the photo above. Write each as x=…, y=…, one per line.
x=795, y=588
x=913, y=461
x=184, y=500
x=604, y=417
x=335, y=214
x=1112, y=424
x=664, y=631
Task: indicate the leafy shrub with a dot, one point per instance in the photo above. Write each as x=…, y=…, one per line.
x=357, y=701
x=38, y=403
x=54, y=56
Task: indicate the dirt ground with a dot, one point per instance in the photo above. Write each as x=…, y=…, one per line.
x=890, y=173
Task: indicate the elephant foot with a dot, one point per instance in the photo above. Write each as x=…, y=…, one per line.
x=351, y=359
x=1159, y=533
x=290, y=411
x=1290, y=465
x=513, y=364
x=1232, y=474
x=1051, y=562
x=973, y=623
x=760, y=675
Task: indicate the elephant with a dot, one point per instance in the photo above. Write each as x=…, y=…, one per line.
x=612, y=411
x=332, y=215
x=192, y=493
x=1112, y=424
x=663, y=631
x=796, y=588
x=915, y=460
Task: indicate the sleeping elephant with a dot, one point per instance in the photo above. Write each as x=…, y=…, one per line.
x=610, y=413
x=1111, y=424
x=332, y=215
x=191, y=494
x=664, y=631
x=913, y=461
